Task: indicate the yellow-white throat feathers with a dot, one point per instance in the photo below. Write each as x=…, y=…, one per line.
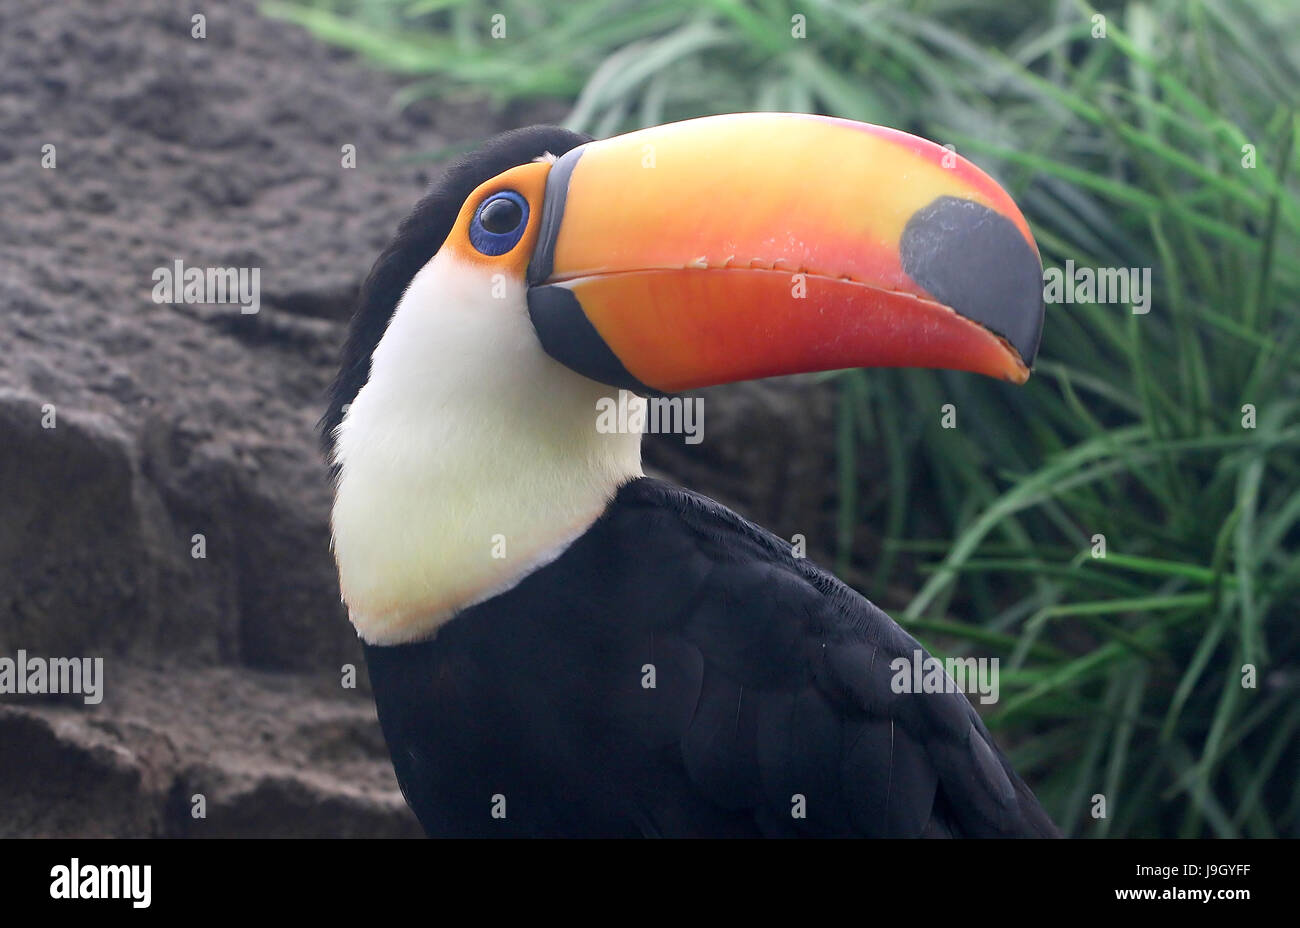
x=467, y=460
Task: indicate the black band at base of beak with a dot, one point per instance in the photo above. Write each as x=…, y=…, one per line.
x=568, y=336
x=557, y=192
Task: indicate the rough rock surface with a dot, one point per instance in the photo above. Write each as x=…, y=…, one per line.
x=174, y=421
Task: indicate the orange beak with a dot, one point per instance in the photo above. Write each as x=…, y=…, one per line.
x=737, y=247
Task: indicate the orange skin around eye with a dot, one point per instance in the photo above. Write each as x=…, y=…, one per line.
x=529, y=181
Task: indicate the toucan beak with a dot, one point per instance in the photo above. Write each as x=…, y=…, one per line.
x=737, y=247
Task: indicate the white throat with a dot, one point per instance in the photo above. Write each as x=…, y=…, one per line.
x=469, y=459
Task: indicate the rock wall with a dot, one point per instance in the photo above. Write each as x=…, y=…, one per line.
x=128, y=428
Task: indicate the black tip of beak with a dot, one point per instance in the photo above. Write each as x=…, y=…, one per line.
x=977, y=261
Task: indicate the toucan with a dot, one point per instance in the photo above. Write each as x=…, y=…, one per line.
x=561, y=646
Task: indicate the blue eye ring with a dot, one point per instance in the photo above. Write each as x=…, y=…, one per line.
x=492, y=234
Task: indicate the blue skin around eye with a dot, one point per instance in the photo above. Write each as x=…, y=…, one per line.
x=498, y=243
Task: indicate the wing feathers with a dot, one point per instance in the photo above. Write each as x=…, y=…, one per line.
x=797, y=697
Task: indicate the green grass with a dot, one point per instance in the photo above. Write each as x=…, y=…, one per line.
x=1121, y=675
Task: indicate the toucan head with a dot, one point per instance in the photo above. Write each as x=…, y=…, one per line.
x=547, y=269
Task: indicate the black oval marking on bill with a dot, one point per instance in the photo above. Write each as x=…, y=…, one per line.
x=977, y=261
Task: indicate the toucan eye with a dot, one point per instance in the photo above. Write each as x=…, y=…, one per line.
x=499, y=223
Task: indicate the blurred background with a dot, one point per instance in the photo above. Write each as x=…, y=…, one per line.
x=1123, y=533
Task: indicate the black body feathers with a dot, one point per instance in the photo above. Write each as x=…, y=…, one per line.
x=771, y=681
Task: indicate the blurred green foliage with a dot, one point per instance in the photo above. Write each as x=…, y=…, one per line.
x=1169, y=143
